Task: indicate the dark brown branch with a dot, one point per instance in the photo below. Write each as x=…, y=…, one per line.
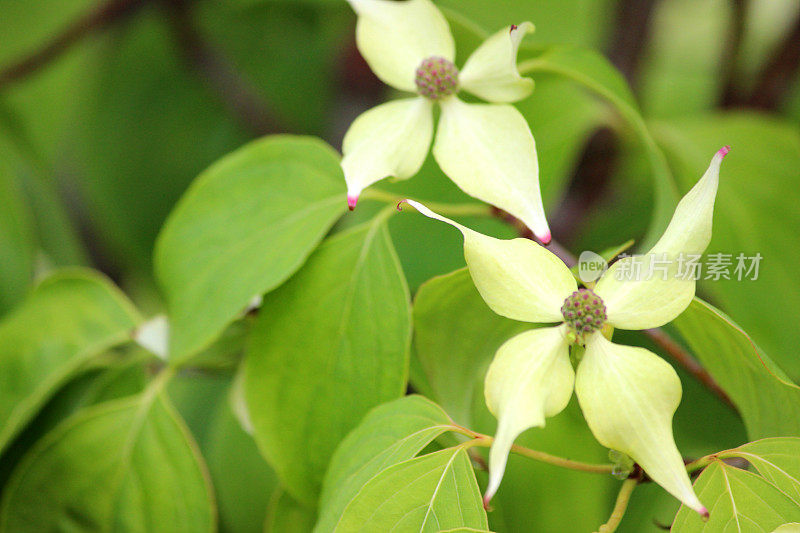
x=689, y=363
x=630, y=36
x=102, y=16
x=236, y=93
x=596, y=167
x=778, y=74
x=730, y=55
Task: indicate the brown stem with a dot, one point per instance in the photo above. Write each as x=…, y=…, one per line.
x=235, y=92
x=593, y=173
x=688, y=362
x=778, y=74
x=730, y=56
x=631, y=33
x=102, y=16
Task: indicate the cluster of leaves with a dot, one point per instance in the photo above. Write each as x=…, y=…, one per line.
x=315, y=431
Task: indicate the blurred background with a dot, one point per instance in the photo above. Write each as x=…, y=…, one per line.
x=109, y=109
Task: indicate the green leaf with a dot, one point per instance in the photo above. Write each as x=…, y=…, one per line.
x=16, y=241
x=768, y=402
x=751, y=217
x=680, y=71
x=594, y=72
x=126, y=465
x=242, y=479
x=434, y=492
x=389, y=434
x=244, y=226
x=455, y=338
x=583, y=22
x=777, y=460
x=328, y=346
x=739, y=500
x=287, y=516
x=69, y=318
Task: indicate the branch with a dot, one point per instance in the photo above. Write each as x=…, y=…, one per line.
x=631, y=33
x=730, y=55
x=485, y=441
x=102, y=16
x=596, y=167
x=778, y=74
x=236, y=93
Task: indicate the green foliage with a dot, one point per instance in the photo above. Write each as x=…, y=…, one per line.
x=434, y=492
x=456, y=336
x=355, y=325
x=749, y=501
x=390, y=434
x=307, y=411
x=242, y=229
x=768, y=401
x=16, y=239
x=751, y=217
x=71, y=317
x=139, y=471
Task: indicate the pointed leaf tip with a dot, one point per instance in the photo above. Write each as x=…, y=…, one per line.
x=352, y=200
x=545, y=238
x=486, y=499
x=724, y=150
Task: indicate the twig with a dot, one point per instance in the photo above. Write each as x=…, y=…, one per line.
x=485, y=441
x=589, y=183
x=730, y=56
x=620, y=507
x=631, y=33
x=236, y=93
x=778, y=74
x=102, y=16
x=688, y=362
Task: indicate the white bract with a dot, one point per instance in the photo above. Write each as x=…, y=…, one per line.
x=486, y=149
x=628, y=395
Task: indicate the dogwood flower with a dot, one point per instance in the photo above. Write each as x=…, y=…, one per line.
x=486, y=149
x=628, y=394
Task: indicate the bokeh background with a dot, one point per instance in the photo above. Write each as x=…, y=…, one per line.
x=109, y=109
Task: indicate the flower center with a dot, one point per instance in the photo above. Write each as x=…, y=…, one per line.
x=584, y=312
x=436, y=78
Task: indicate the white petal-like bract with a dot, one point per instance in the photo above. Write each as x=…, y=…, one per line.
x=489, y=152
x=391, y=139
x=517, y=278
x=628, y=396
x=530, y=378
x=394, y=38
x=491, y=71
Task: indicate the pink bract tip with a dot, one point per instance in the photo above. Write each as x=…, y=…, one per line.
x=351, y=202
x=704, y=513
x=724, y=150
x=545, y=238
x=486, y=499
